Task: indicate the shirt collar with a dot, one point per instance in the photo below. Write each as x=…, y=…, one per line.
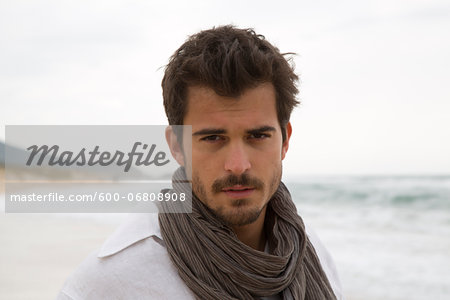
x=137, y=227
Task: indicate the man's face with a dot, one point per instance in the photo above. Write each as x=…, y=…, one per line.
x=237, y=151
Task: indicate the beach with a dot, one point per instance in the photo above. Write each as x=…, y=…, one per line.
x=39, y=251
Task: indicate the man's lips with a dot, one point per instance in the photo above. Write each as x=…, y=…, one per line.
x=238, y=191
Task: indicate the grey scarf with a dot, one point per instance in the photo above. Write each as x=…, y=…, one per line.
x=214, y=264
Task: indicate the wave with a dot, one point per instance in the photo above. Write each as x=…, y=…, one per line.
x=424, y=192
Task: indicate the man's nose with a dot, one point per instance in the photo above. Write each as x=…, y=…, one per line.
x=237, y=159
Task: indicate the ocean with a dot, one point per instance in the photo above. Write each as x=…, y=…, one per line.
x=389, y=235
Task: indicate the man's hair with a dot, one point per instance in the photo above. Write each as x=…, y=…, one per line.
x=228, y=60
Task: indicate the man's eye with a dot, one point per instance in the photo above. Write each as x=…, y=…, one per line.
x=211, y=138
x=259, y=136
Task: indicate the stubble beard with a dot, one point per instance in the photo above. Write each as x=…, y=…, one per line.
x=242, y=213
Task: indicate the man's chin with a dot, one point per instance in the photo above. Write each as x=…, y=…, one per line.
x=239, y=203
x=238, y=215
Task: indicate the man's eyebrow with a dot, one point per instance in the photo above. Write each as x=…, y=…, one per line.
x=212, y=131
x=261, y=129
x=209, y=131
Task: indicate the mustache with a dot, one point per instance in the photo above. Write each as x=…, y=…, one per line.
x=232, y=180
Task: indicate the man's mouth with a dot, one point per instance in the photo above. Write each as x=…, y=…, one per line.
x=238, y=191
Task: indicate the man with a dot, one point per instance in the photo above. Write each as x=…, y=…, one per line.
x=243, y=239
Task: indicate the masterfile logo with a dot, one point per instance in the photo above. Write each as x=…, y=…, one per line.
x=94, y=157
x=90, y=169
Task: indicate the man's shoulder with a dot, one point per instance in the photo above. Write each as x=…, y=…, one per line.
x=131, y=264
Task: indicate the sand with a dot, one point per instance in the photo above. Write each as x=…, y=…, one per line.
x=38, y=252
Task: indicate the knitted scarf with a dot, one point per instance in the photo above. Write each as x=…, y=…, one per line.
x=214, y=264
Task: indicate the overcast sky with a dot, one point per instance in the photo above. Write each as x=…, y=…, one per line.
x=375, y=75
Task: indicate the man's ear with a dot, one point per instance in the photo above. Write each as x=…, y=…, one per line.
x=285, y=146
x=174, y=146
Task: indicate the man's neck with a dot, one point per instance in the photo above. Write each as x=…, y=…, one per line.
x=253, y=234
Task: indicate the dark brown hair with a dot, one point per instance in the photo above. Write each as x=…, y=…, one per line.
x=229, y=60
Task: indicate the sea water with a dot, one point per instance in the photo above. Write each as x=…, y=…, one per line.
x=389, y=236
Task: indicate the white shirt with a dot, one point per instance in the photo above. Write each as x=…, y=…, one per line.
x=133, y=264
